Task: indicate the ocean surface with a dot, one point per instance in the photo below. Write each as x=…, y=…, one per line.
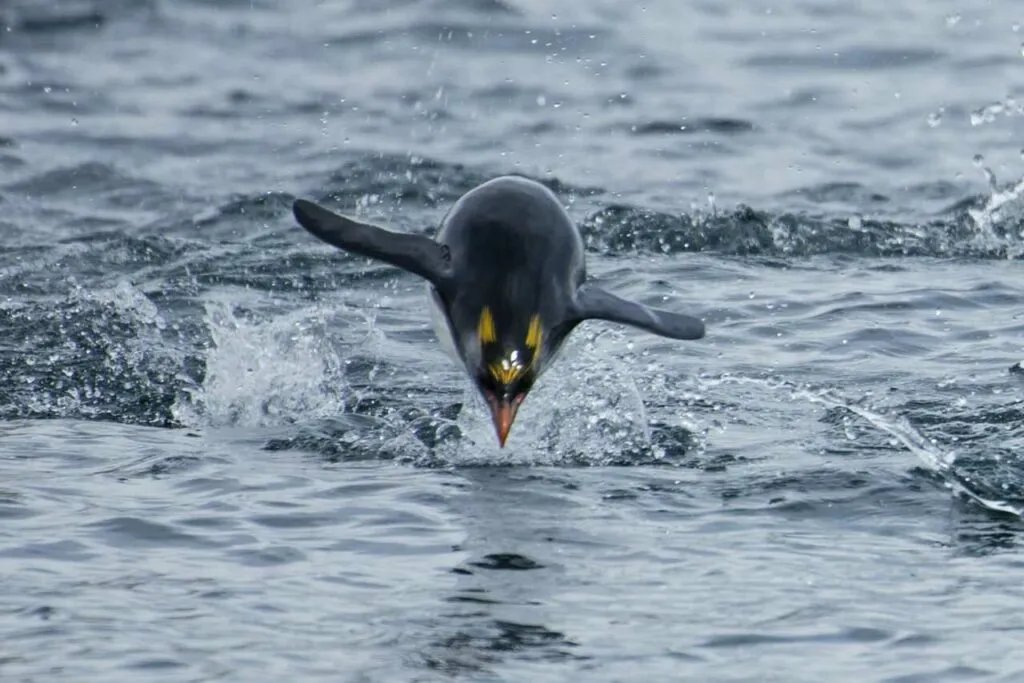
x=229, y=452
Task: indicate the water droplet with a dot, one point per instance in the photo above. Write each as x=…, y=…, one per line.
x=541, y=100
x=952, y=20
x=990, y=177
x=74, y=122
x=935, y=118
x=1016, y=27
x=47, y=89
x=855, y=222
x=987, y=114
x=979, y=159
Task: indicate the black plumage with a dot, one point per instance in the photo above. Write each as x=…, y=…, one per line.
x=507, y=277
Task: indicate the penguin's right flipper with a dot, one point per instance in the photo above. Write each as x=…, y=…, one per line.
x=416, y=254
x=593, y=302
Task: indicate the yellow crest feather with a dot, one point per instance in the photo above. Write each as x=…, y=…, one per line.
x=534, y=334
x=485, y=328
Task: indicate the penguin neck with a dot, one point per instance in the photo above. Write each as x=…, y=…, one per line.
x=443, y=326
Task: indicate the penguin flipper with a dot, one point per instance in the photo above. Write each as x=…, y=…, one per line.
x=593, y=302
x=416, y=254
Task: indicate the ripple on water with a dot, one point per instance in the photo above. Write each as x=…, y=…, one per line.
x=246, y=459
x=855, y=58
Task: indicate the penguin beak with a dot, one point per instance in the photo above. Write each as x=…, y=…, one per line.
x=503, y=412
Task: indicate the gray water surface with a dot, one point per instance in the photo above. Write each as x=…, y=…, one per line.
x=231, y=453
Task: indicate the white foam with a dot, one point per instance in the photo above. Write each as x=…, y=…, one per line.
x=266, y=371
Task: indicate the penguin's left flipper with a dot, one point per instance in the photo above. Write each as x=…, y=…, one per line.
x=593, y=302
x=416, y=254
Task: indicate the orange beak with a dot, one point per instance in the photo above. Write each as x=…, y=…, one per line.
x=504, y=414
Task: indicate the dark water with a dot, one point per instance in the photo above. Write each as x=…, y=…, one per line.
x=230, y=453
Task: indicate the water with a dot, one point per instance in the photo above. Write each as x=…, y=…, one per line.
x=231, y=453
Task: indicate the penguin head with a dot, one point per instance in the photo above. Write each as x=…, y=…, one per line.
x=511, y=358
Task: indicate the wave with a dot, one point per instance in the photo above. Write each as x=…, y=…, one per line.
x=412, y=193
x=973, y=467
x=105, y=354
x=322, y=377
x=976, y=227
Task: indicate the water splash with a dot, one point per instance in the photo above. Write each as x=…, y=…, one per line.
x=992, y=111
x=263, y=371
x=1002, y=208
x=589, y=409
x=942, y=462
